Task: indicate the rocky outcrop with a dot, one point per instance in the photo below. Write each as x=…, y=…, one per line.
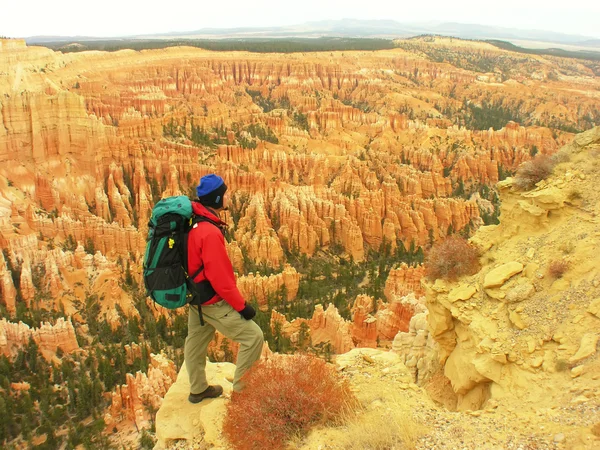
x=49, y=338
x=328, y=326
x=417, y=348
x=179, y=420
x=370, y=328
x=325, y=327
x=8, y=291
x=256, y=236
x=503, y=332
x=261, y=288
x=403, y=280
x=142, y=393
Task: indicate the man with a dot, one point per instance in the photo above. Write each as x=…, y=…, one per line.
x=226, y=311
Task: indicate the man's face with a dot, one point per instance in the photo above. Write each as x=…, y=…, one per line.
x=225, y=201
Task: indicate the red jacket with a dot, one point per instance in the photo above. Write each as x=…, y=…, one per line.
x=206, y=245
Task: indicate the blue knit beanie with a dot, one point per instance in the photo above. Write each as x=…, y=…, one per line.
x=210, y=191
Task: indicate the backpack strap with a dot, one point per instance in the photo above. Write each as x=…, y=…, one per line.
x=194, y=220
x=198, y=219
x=203, y=291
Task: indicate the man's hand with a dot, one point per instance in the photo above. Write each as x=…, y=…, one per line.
x=248, y=312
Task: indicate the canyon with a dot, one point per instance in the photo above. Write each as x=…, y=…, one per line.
x=334, y=161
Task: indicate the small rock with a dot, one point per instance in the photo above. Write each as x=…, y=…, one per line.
x=498, y=276
x=530, y=270
x=499, y=357
x=537, y=362
x=577, y=371
x=520, y=292
x=492, y=403
x=587, y=347
x=461, y=293
x=560, y=437
x=516, y=320
x=594, y=308
x=580, y=400
x=368, y=359
x=495, y=294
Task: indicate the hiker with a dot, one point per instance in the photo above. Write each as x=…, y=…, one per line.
x=226, y=311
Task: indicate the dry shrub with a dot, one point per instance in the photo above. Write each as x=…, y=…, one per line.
x=452, y=258
x=561, y=156
x=557, y=269
x=380, y=429
x=574, y=195
x=534, y=171
x=561, y=365
x=283, y=397
x=567, y=247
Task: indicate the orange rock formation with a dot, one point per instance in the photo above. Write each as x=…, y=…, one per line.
x=87, y=136
x=15, y=336
x=129, y=400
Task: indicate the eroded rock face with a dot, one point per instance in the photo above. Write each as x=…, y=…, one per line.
x=417, y=348
x=373, y=327
x=261, y=287
x=368, y=328
x=404, y=280
x=507, y=333
x=96, y=144
x=328, y=326
x=49, y=338
x=129, y=400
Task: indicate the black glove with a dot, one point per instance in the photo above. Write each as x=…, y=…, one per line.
x=248, y=312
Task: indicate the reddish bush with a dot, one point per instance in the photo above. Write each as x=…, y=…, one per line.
x=534, y=171
x=452, y=258
x=284, y=396
x=557, y=269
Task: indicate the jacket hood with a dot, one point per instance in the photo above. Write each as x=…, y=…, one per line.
x=201, y=210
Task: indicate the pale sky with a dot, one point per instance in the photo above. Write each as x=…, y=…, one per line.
x=23, y=18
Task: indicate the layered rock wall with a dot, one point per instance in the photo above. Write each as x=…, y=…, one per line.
x=49, y=338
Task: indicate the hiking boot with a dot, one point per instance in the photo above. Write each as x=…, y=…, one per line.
x=209, y=392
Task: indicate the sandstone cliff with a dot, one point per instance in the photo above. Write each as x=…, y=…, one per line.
x=520, y=329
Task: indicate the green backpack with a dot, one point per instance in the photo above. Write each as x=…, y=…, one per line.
x=165, y=260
